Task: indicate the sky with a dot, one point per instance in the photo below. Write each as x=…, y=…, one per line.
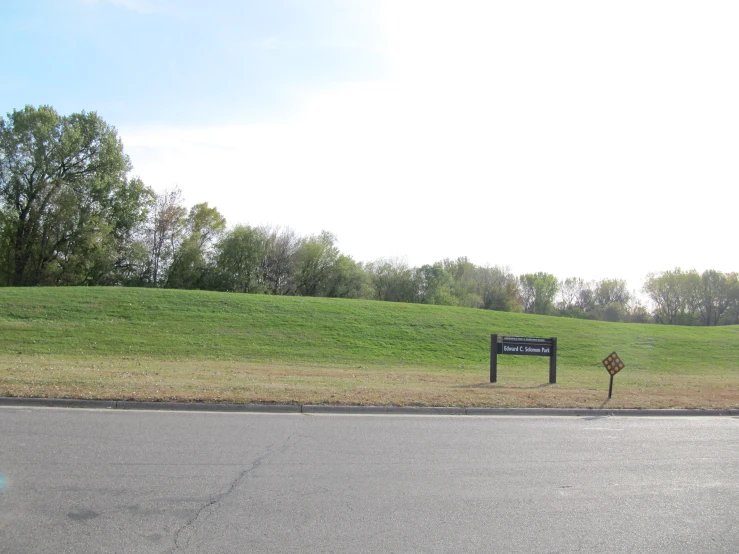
x=580, y=138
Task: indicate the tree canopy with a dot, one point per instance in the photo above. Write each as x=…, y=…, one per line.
x=67, y=204
x=70, y=214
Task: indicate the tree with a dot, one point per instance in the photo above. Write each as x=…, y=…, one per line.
x=464, y=285
x=569, y=292
x=434, y=285
x=349, y=280
x=280, y=256
x=638, y=313
x=611, y=291
x=239, y=260
x=166, y=232
x=577, y=298
x=731, y=314
x=204, y=225
x=612, y=298
x=316, y=259
x=498, y=289
x=538, y=291
x=393, y=280
x=675, y=295
x=714, y=296
x=586, y=299
x=68, y=207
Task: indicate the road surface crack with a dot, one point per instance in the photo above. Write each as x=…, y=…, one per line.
x=205, y=511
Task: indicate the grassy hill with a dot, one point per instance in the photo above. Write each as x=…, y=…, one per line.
x=164, y=344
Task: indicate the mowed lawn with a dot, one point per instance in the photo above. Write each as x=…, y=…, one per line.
x=148, y=344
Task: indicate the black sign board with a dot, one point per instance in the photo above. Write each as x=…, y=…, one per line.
x=523, y=346
x=525, y=339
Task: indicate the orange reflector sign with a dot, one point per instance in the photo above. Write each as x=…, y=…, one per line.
x=613, y=363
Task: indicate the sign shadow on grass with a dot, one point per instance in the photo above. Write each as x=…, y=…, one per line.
x=499, y=386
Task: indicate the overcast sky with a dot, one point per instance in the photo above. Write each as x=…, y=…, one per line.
x=581, y=138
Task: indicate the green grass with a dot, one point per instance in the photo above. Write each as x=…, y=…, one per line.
x=313, y=347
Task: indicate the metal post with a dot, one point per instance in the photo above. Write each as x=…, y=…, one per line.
x=610, y=387
x=493, y=358
x=553, y=362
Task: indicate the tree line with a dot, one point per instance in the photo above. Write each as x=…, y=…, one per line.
x=70, y=214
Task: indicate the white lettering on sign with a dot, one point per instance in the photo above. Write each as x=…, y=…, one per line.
x=537, y=349
x=507, y=348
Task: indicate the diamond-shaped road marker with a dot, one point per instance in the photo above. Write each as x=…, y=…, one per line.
x=613, y=363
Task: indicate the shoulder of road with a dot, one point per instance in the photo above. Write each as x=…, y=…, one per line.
x=344, y=409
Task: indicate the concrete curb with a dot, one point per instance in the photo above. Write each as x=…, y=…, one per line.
x=586, y=412
x=337, y=409
x=406, y=410
x=206, y=407
x=57, y=402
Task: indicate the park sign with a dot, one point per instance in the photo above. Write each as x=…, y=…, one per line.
x=523, y=346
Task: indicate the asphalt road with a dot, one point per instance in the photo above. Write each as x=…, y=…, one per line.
x=117, y=481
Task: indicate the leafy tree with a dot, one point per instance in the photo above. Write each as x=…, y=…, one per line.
x=576, y=298
x=538, y=291
x=612, y=299
x=348, y=279
x=586, y=299
x=611, y=291
x=434, y=285
x=676, y=296
x=393, y=280
x=205, y=225
x=464, y=284
x=166, y=232
x=714, y=296
x=569, y=292
x=68, y=207
x=638, y=312
x=498, y=289
x=316, y=258
x=280, y=257
x=195, y=257
x=731, y=314
x=662, y=290
x=239, y=260
x=613, y=312
x=134, y=265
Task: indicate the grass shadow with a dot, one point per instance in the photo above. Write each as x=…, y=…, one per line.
x=498, y=385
